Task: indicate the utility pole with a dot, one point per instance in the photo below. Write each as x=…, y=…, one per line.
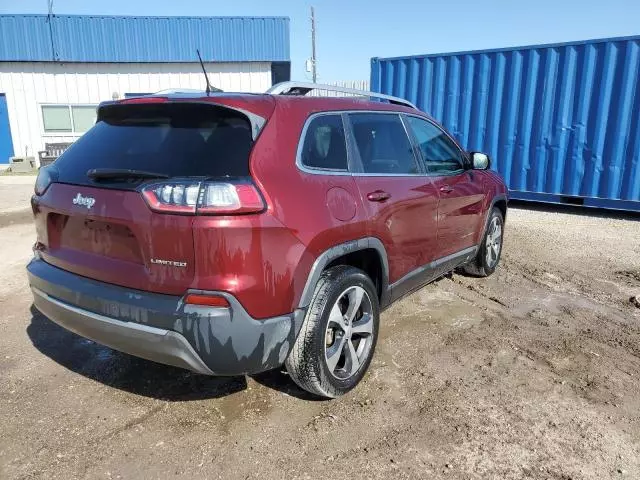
x=313, y=46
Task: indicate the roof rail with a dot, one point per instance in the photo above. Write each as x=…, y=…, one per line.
x=302, y=88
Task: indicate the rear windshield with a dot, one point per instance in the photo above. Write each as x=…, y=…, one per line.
x=178, y=140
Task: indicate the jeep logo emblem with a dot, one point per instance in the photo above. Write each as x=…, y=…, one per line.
x=84, y=201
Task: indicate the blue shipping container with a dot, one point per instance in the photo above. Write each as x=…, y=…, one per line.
x=561, y=122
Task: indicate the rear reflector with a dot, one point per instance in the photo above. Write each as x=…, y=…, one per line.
x=206, y=300
x=206, y=198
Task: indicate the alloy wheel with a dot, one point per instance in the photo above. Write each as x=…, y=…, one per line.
x=494, y=242
x=349, y=333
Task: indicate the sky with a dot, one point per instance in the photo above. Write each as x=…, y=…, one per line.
x=350, y=32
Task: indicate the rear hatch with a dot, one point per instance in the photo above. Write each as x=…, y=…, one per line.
x=119, y=204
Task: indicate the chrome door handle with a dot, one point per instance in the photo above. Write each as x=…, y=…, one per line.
x=446, y=189
x=378, y=196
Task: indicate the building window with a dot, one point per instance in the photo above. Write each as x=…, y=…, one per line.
x=68, y=118
x=83, y=117
x=57, y=118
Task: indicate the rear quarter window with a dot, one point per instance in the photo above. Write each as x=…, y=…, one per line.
x=324, y=146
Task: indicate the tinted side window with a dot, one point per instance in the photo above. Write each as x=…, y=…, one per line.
x=440, y=154
x=383, y=144
x=324, y=145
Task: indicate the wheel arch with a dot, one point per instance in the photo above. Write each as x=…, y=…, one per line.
x=500, y=201
x=367, y=253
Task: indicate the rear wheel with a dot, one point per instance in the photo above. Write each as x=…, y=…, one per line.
x=490, y=249
x=338, y=337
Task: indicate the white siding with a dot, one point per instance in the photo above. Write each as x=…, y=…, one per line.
x=30, y=85
x=356, y=84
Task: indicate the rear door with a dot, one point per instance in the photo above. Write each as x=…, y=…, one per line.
x=102, y=227
x=401, y=200
x=460, y=190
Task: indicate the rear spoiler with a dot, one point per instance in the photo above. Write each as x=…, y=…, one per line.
x=257, y=122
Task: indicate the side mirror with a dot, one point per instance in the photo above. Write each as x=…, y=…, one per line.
x=480, y=161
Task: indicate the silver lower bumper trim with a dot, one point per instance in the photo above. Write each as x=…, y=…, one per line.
x=156, y=344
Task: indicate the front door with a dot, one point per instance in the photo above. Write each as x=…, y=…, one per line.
x=460, y=190
x=401, y=200
x=6, y=144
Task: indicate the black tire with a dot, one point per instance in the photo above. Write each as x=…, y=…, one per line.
x=479, y=266
x=307, y=364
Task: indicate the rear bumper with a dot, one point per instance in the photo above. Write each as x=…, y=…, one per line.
x=157, y=344
x=161, y=328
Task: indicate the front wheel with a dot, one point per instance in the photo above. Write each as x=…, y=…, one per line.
x=338, y=337
x=489, y=251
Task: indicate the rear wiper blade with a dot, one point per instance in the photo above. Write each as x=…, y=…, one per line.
x=107, y=173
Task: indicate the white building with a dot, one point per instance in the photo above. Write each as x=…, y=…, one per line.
x=55, y=70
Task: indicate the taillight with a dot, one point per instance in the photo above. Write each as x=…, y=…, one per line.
x=223, y=198
x=206, y=198
x=172, y=197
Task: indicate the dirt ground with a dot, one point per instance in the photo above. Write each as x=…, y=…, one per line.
x=531, y=373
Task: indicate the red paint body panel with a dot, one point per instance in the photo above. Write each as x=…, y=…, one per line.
x=493, y=186
x=298, y=199
x=460, y=210
x=264, y=259
x=406, y=223
x=99, y=254
x=253, y=257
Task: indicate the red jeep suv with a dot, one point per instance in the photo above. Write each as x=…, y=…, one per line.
x=234, y=233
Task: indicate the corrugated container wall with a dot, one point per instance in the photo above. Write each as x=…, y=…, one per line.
x=561, y=122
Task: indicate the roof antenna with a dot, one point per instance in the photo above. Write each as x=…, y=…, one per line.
x=209, y=87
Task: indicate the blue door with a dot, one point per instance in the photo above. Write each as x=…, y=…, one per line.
x=6, y=144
